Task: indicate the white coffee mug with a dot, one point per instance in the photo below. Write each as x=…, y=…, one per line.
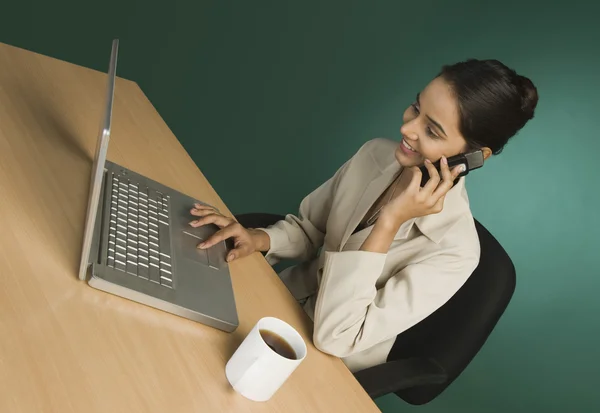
x=255, y=370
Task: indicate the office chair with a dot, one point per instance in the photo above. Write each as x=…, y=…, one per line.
x=428, y=357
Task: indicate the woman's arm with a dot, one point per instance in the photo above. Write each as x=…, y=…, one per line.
x=352, y=315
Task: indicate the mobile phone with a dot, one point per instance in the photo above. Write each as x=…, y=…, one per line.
x=471, y=160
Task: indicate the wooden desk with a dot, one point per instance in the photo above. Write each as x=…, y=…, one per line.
x=65, y=347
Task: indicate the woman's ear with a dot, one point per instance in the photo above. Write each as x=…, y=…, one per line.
x=487, y=152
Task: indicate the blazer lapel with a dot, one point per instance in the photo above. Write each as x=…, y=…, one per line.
x=372, y=191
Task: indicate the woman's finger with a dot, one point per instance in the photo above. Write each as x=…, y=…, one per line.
x=417, y=176
x=457, y=170
x=447, y=180
x=434, y=177
x=202, y=208
x=202, y=212
x=445, y=170
x=240, y=251
x=447, y=184
x=216, y=219
x=410, y=180
x=221, y=235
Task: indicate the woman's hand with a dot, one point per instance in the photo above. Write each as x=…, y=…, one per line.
x=245, y=241
x=413, y=201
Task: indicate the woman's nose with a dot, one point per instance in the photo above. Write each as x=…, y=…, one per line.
x=409, y=131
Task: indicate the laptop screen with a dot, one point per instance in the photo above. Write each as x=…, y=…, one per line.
x=98, y=166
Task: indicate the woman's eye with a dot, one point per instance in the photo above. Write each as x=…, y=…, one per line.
x=428, y=130
x=431, y=133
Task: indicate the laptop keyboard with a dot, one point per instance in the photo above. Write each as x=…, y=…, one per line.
x=139, y=242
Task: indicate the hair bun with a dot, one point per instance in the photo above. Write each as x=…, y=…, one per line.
x=529, y=95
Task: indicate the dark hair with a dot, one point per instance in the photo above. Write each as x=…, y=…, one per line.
x=494, y=101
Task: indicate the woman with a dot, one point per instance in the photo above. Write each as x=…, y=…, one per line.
x=392, y=252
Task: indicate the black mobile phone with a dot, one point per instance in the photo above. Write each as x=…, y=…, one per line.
x=471, y=160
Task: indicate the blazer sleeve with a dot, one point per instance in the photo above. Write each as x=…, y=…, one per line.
x=300, y=237
x=352, y=315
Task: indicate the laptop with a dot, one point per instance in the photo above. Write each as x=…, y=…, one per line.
x=138, y=244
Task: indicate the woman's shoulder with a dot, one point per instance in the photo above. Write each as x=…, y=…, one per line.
x=379, y=150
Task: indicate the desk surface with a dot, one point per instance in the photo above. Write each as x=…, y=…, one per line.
x=66, y=347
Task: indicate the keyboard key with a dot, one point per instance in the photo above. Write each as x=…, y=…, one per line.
x=166, y=271
x=132, y=267
x=153, y=273
x=120, y=265
x=143, y=259
x=121, y=243
x=164, y=239
x=165, y=266
x=143, y=271
x=167, y=282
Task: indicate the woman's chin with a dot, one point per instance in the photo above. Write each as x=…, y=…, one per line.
x=407, y=161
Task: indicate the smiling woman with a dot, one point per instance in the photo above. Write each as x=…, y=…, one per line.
x=392, y=252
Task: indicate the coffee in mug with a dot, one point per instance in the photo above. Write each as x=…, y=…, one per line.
x=278, y=344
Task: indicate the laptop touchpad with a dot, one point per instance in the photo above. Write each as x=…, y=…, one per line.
x=210, y=257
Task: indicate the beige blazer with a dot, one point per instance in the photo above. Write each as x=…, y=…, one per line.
x=360, y=301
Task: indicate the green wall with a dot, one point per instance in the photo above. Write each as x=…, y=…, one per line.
x=296, y=87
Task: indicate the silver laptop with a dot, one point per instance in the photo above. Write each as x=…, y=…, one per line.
x=138, y=243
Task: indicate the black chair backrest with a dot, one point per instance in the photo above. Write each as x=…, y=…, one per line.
x=455, y=333
x=258, y=219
